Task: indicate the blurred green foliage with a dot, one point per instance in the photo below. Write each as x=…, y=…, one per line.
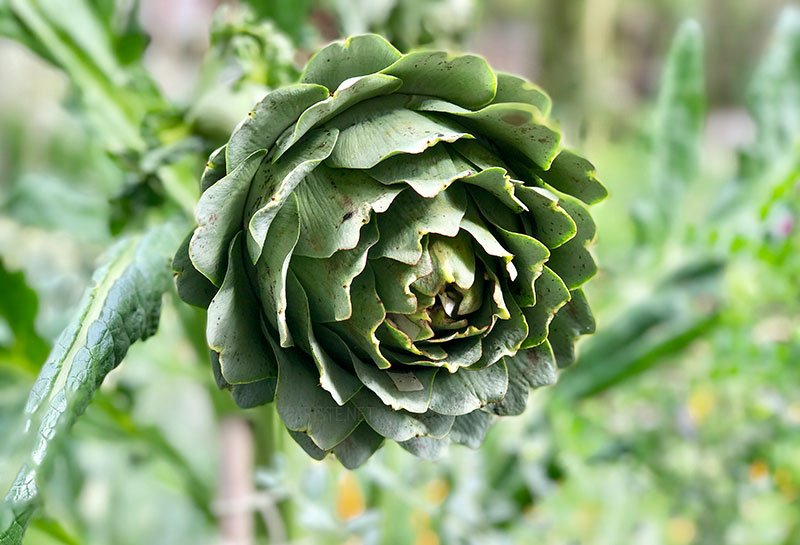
x=679, y=424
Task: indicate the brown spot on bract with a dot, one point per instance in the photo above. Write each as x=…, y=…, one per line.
x=515, y=118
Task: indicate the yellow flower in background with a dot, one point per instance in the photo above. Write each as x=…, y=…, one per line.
x=700, y=405
x=680, y=531
x=437, y=491
x=350, y=499
x=758, y=470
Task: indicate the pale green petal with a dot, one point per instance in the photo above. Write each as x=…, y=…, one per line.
x=305, y=407
x=327, y=281
x=517, y=127
x=367, y=315
x=551, y=295
x=511, y=88
x=219, y=215
x=400, y=425
x=334, y=206
x=574, y=319
x=274, y=114
x=468, y=390
x=527, y=369
x=466, y=80
x=193, y=288
x=349, y=93
x=552, y=225
x=273, y=267
x=506, y=337
x=381, y=128
x=411, y=217
x=355, y=56
x=496, y=181
x=530, y=256
x=234, y=330
x=407, y=389
x=572, y=174
x=393, y=280
x=572, y=261
x=215, y=169
x=358, y=446
x=476, y=153
x=340, y=383
x=274, y=182
x=470, y=429
x=427, y=448
x=428, y=173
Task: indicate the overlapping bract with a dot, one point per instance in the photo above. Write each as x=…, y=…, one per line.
x=392, y=248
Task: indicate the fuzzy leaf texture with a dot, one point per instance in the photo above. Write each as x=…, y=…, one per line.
x=392, y=248
x=122, y=307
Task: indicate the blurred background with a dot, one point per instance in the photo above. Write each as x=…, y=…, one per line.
x=679, y=425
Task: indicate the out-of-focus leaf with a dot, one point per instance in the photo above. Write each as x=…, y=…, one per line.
x=681, y=309
x=121, y=307
x=54, y=530
x=676, y=135
x=18, y=307
x=290, y=15
x=774, y=97
x=75, y=40
x=111, y=422
x=54, y=204
x=12, y=27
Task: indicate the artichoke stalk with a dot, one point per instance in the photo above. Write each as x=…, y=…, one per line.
x=393, y=248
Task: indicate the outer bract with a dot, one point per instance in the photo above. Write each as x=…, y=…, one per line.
x=393, y=248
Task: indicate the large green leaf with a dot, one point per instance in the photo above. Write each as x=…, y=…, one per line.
x=400, y=425
x=273, y=267
x=121, y=307
x=428, y=173
x=340, y=383
x=574, y=175
x=468, y=390
x=305, y=407
x=516, y=127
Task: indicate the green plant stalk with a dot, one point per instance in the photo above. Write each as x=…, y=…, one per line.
x=270, y=444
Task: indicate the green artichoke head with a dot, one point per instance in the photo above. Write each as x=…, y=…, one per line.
x=392, y=248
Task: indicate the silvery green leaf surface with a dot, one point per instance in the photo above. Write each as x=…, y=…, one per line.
x=121, y=307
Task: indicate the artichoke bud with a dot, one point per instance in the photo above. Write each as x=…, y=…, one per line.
x=392, y=248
